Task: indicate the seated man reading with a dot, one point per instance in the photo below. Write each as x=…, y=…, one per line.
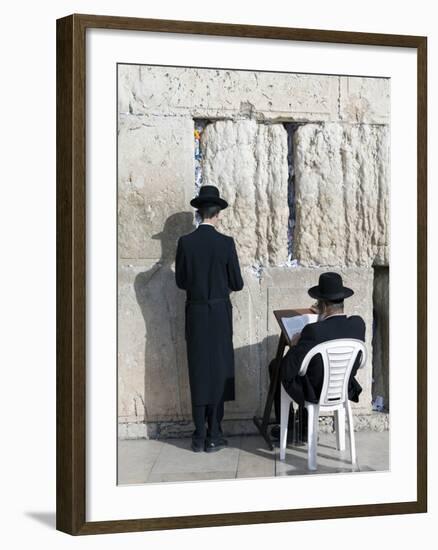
x=332, y=324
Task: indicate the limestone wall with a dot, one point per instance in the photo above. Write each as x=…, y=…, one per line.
x=341, y=194
x=269, y=96
x=340, y=185
x=247, y=161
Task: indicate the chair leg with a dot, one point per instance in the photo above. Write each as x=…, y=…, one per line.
x=340, y=429
x=312, y=435
x=351, y=431
x=284, y=418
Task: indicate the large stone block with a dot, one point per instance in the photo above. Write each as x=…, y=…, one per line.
x=213, y=93
x=246, y=342
x=130, y=390
x=341, y=194
x=286, y=288
x=155, y=183
x=247, y=161
x=152, y=366
x=364, y=99
x=152, y=358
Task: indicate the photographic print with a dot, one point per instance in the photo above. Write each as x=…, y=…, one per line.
x=252, y=232
x=226, y=222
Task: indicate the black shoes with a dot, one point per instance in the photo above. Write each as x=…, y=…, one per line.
x=213, y=446
x=197, y=446
x=208, y=446
x=206, y=442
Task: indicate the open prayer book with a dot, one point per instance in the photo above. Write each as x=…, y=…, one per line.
x=295, y=324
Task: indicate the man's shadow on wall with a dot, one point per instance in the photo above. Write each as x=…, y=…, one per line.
x=162, y=307
x=162, y=303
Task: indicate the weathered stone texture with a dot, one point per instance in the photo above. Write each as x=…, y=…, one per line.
x=365, y=99
x=152, y=359
x=153, y=373
x=156, y=171
x=247, y=161
x=247, y=362
x=341, y=167
x=341, y=193
x=204, y=93
x=374, y=421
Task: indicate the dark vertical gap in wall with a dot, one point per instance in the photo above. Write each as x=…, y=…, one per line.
x=290, y=128
x=199, y=125
x=380, y=339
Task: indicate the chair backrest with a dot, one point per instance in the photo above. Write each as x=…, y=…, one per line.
x=338, y=357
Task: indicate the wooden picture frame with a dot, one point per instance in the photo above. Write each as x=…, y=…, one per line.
x=71, y=273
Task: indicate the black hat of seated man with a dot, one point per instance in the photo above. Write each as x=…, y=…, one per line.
x=330, y=288
x=208, y=196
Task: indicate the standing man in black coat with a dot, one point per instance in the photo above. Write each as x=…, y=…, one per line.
x=207, y=267
x=332, y=323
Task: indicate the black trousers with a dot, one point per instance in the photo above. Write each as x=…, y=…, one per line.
x=207, y=419
x=297, y=419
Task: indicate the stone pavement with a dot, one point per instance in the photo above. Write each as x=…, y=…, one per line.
x=151, y=461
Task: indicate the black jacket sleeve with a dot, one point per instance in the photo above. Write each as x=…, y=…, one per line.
x=235, y=281
x=180, y=266
x=291, y=362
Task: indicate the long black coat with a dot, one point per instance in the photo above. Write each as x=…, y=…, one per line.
x=308, y=387
x=207, y=267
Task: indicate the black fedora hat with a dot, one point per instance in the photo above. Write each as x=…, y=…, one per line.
x=330, y=287
x=208, y=195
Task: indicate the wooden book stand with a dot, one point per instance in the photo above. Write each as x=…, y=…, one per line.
x=262, y=423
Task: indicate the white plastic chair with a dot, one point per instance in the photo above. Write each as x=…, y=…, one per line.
x=338, y=357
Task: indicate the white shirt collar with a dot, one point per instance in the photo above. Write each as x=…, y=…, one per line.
x=206, y=223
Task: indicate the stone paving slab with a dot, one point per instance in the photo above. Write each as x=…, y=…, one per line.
x=176, y=457
x=255, y=460
x=372, y=450
x=135, y=460
x=172, y=460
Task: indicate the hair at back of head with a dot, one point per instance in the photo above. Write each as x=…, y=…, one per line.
x=207, y=212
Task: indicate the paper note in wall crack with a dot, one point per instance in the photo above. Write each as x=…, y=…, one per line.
x=294, y=325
